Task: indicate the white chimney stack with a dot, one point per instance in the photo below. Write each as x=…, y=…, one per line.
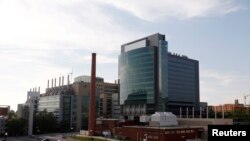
x=68, y=80
x=62, y=80
x=55, y=82
x=59, y=81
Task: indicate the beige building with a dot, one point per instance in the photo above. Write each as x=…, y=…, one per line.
x=104, y=91
x=23, y=111
x=106, y=103
x=228, y=107
x=70, y=102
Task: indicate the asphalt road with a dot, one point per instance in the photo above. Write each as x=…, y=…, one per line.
x=54, y=137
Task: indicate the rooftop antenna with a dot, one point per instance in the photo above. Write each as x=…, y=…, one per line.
x=245, y=99
x=71, y=75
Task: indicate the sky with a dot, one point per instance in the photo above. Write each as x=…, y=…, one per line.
x=45, y=39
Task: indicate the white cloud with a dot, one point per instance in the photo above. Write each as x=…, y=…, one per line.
x=181, y=9
x=223, y=79
x=222, y=87
x=41, y=39
x=48, y=24
x=101, y=59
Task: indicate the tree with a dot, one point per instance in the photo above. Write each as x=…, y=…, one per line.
x=11, y=115
x=44, y=122
x=17, y=127
x=240, y=115
x=64, y=126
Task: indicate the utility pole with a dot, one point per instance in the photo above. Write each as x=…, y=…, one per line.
x=200, y=112
x=193, y=112
x=245, y=99
x=222, y=109
x=215, y=114
x=180, y=112
x=207, y=112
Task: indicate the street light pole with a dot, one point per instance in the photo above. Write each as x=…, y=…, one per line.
x=5, y=136
x=72, y=132
x=38, y=134
x=91, y=135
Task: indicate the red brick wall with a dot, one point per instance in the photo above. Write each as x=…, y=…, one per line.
x=107, y=125
x=137, y=134
x=3, y=111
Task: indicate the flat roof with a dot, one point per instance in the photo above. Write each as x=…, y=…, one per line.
x=107, y=119
x=169, y=127
x=131, y=42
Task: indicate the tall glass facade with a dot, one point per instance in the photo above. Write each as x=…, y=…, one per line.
x=60, y=102
x=143, y=79
x=50, y=104
x=183, y=83
x=163, y=75
x=138, y=76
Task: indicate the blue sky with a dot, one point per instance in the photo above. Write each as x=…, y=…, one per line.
x=44, y=39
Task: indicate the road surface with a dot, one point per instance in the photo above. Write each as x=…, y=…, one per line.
x=54, y=137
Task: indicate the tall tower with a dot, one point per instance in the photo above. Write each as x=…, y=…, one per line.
x=143, y=66
x=92, y=102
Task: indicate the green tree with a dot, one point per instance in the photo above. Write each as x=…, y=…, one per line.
x=44, y=122
x=240, y=115
x=64, y=126
x=11, y=115
x=17, y=127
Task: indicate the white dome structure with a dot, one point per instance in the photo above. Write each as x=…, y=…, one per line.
x=164, y=119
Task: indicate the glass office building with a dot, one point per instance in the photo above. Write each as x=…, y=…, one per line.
x=143, y=75
x=153, y=79
x=183, y=84
x=60, y=101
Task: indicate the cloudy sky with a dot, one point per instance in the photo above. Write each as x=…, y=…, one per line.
x=44, y=39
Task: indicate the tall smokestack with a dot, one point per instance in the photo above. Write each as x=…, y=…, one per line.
x=68, y=81
x=48, y=84
x=39, y=89
x=52, y=84
x=62, y=80
x=92, y=97
x=59, y=81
